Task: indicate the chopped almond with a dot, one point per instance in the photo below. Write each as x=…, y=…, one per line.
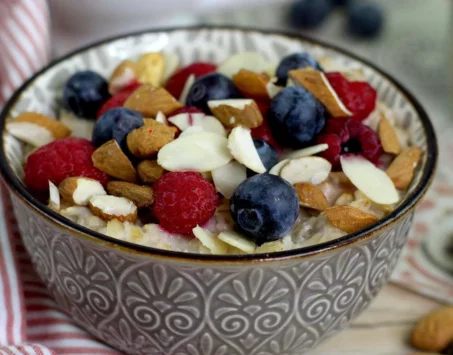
x=237, y=112
x=149, y=171
x=110, y=159
x=402, y=169
x=151, y=68
x=149, y=101
x=124, y=75
x=310, y=196
x=389, y=138
x=145, y=142
x=348, y=218
x=252, y=84
x=111, y=207
x=142, y=196
x=79, y=190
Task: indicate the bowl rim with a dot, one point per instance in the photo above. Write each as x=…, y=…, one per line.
x=16, y=186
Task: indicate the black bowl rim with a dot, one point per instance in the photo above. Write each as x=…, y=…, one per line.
x=431, y=160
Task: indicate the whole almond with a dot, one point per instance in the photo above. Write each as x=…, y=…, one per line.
x=388, y=136
x=434, y=331
x=110, y=159
x=310, y=196
x=149, y=171
x=149, y=101
x=251, y=84
x=348, y=218
x=142, y=196
x=401, y=170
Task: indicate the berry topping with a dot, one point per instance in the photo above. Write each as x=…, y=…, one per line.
x=365, y=20
x=209, y=87
x=264, y=208
x=84, y=93
x=116, y=124
x=268, y=155
x=117, y=100
x=183, y=200
x=295, y=117
x=294, y=61
x=59, y=160
x=176, y=83
x=309, y=13
x=358, y=96
x=349, y=136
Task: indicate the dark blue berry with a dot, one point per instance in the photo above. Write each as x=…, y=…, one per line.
x=365, y=20
x=294, y=61
x=340, y=2
x=264, y=208
x=84, y=93
x=267, y=153
x=116, y=123
x=208, y=87
x=309, y=13
x=295, y=117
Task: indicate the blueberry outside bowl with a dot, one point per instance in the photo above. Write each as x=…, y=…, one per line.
x=176, y=303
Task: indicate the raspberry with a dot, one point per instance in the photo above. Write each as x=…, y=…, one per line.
x=186, y=109
x=61, y=159
x=264, y=132
x=183, y=200
x=176, y=82
x=118, y=99
x=359, y=97
x=349, y=136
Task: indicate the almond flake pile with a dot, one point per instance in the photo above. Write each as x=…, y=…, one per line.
x=241, y=157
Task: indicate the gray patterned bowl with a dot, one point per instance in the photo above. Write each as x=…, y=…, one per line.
x=148, y=301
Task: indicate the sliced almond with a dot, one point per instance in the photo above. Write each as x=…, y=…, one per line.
x=145, y=142
x=348, y=218
x=150, y=69
x=185, y=90
x=171, y=65
x=313, y=170
x=207, y=123
x=124, y=75
x=149, y=171
x=240, y=144
x=402, y=169
x=306, y=152
x=238, y=241
x=236, y=112
x=149, y=101
x=310, y=196
x=251, y=84
x=316, y=82
x=111, y=207
x=210, y=241
x=388, y=136
x=110, y=159
x=54, y=197
x=142, y=196
x=275, y=170
x=36, y=129
x=204, y=151
x=79, y=190
x=191, y=130
x=161, y=118
x=370, y=180
x=244, y=60
x=228, y=177
x=79, y=127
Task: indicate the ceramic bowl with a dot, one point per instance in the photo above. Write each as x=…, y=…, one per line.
x=148, y=301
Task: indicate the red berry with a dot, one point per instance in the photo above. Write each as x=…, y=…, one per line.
x=264, y=132
x=349, y=136
x=118, y=99
x=61, y=159
x=183, y=200
x=186, y=109
x=359, y=97
x=263, y=106
x=176, y=82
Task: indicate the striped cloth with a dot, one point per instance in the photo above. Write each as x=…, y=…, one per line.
x=30, y=322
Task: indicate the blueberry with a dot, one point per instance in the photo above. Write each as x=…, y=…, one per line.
x=264, y=208
x=267, y=153
x=309, y=13
x=295, y=117
x=208, y=87
x=365, y=20
x=116, y=123
x=294, y=61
